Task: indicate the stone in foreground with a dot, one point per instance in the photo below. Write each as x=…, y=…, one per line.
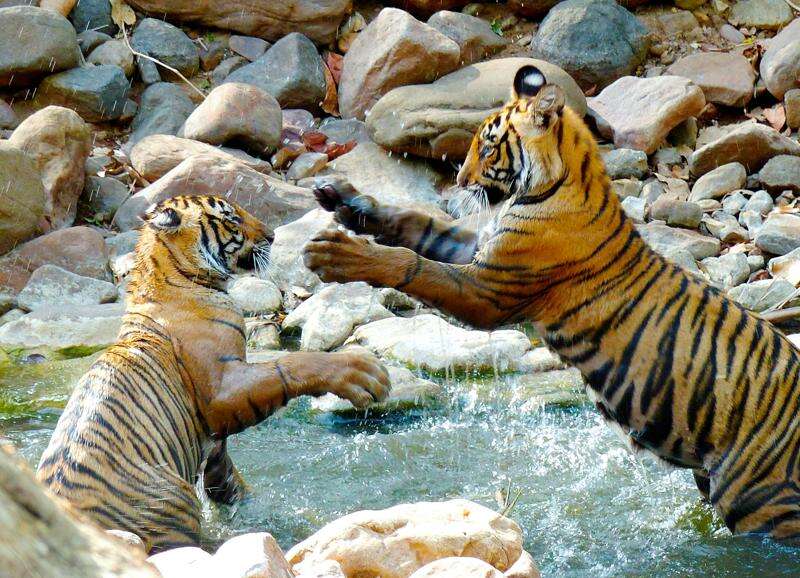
x=60, y=327
x=638, y=113
x=52, y=286
x=780, y=234
x=395, y=542
x=97, y=93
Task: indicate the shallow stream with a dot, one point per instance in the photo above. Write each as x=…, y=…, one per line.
x=588, y=507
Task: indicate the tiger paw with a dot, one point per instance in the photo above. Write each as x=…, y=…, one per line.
x=355, y=211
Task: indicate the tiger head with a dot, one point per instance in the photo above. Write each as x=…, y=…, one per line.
x=516, y=149
x=207, y=238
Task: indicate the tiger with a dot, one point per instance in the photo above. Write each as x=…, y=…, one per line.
x=150, y=418
x=685, y=372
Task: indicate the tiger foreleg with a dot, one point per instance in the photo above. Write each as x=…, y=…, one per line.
x=432, y=238
x=222, y=481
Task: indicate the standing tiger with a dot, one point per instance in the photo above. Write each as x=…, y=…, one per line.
x=685, y=372
x=152, y=414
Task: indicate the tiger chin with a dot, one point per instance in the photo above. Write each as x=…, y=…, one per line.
x=150, y=418
x=685, y=372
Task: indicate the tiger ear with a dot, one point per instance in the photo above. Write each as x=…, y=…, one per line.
x=528, y=81
x=164, y=219
x=550, y=100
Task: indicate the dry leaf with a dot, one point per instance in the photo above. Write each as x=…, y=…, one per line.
x=331, y=102
x=315, y=141
x=334, y=63
x=334, y=150
x=122, y=14
x=776, y=116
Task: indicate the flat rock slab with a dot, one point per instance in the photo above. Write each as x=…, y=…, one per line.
x=52, y=286
x=751, y=145
x=61, y=327
x=638, y=113
x=724, y=78
x=664, y=240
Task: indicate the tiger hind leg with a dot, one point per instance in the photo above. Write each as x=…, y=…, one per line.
x=222, y=481
x=768, y=508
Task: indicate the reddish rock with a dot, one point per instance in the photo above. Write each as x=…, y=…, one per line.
x=751, y=144
x=724, y=78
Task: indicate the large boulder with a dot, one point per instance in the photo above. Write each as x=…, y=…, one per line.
x=270, y=199
x=725, y=78
x=764, y=14
x=168, y=44
x=238, y=114
x=52, y=286
x=638, y=113
x=60, y=142
x=34, y=43
x=431, y=343
x=751, y=145
x=97, y=93
x=23, y=202
x=439, y=120
x=780, y=65
x=59, y=327
x=163, y=108
x=156, y=155
x=317, y=19
x=473, y=35
x=395, y=49
x=596, y=41
x=291, y=71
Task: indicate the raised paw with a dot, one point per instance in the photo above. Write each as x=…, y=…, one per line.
x=352, y=209
x=336, y=255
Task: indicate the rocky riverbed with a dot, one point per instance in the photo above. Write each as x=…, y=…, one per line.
x=107, y=107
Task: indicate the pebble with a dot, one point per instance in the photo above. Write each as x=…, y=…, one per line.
x=752, y=221
x=719, y=182
x=676, y=212
x=731, y=34
x=734, y=202
x=760, y=202
x=727, y=271
x=762, y=295
x=211, y=54
x=625, y=164
x=113, y=52
x=626, y=188
x=725, y=227
x=781, y=173
x=791, y=103
x=248, y=46
x=652, y=190
x=635, y=208
x=226, y=67
x=779, y=234
x=307, y=165
x=91, y=39
x=786, y=267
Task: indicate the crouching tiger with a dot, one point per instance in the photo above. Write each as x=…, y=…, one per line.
x=685, y=372
x=152, y=414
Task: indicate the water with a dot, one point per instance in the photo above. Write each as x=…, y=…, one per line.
x=588, y=507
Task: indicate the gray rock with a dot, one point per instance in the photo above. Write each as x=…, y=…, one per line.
x=286, y=266
x=752, y=221
x=262, y=335
x=248, y=46
x=8, y=118
x=97, y=93
x=664, y=239
x=34, y=43
x=762, y=295
x=61, y=327
x=786, y=267
x=8, y=301
x=168, y=44
x=299, y=121
x=342, y=130
x=163, y=109
x=12, y=315
x=791, y=103
x=760, y=202
x=667, y=156
x=113, y=52
x=780, y=234
x=625, y=188
x=725, y=78
x=255, y=296
x=307, y=165
x=122, y=243
x=685, y=260
x=93, y=15
x=765, y=14
x=102, y=196
x=635, y=208
x=291, y=71
x=52, y=286
x=226, y=67
x=148, y=71
x=676, y=212
x=474, y=36
x=725, y=227
x=652, y=190
x=781, y=173
x=91, y=39
x=238, y=114
x=734, y=202
x=755, y=262
x=23, y=202
x=726, y=271
x=719, y=182
x=750, y=144
x=625, y=164
x=596, y=41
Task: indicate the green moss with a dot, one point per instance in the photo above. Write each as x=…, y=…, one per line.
x=700, y=518
x=78, y=351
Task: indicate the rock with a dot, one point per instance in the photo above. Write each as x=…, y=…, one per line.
x=255, y=296
x=764, y=14
x=724, y=78
x=389, y=179
x=93, y=15
x=532, y=8
x=635, y=208
x=760, y=202
x=726, y=271
x=440, y=119
x=734, y=203
x=97, y=93
x=34, y=43
x=781, y=173
x=344, y=130
x=625, y=164
x=595, y=41
x=455, y=567
x=178, y=562
x=248, y=46
x=23, y=202
x=474, y=36
x=212, y=54
x=13, y=315
x=429, y=342
x=625, y=188
x=664, y=239
x=163, y=109
x=791, y=103
x=156, y=155
x=63, y=7
x=394, y=543
x=52, y=286
x=60, y=142
x=238, y=114
x=167, y=44
x=60, y=327
x=88, y=40
x=638, y=113
x=328, y=317
x=291, y=71
x=317, y=19
x=8, y=118
x=394, y=50
x=254, y=555
x=676, y=212
x=751, y=221
x=102, y=196
x=262, y=335
x=113, y=52
x=286, y=266
x=271, y=200
x=325, y=569
x=779, y=234
x=307, y=165
x=8, y=301
x=786, y=267
x=226, y=67
x=751, y=145
x=762, y=295
x=731, y=34
x=148, y=71
x=725, y=227
x=719, y=182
